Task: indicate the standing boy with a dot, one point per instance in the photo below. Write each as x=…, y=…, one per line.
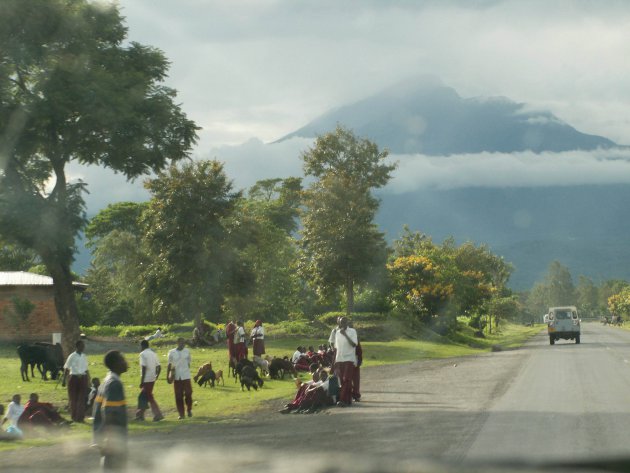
x=150, y=370
x=76, y=368
x=346, y=341
x=110, y=414
x=179, y=371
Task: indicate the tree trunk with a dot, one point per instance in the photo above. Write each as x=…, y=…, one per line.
x=349, y=296
x=65, y=304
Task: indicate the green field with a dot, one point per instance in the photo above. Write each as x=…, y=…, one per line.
x=229, y=400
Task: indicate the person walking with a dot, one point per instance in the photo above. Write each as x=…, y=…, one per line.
x=178, y=372
x=258, y=338
x=150, y=371
x=77, y=377
x=110, y=414
x=346, y=341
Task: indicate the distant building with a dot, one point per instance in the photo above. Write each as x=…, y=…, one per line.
x=27, y=306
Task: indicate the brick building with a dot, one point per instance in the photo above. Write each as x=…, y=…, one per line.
x=27, y=307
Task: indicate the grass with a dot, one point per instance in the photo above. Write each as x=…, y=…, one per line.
x=212, y=404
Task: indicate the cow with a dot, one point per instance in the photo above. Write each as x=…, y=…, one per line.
x=46, y=356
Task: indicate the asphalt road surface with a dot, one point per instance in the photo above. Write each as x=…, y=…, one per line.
x=539, y=404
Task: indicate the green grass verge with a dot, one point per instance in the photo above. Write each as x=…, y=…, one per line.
x=221, y=401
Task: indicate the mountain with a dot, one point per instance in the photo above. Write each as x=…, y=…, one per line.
x=585, y=227
x=424, y=116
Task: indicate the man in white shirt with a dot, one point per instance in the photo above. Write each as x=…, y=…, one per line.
x=178, y=370
x=76, y=368
x=149, y=371
x=14, y=411
x=345, y=360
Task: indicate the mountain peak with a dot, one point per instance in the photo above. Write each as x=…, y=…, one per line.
x=423, y=115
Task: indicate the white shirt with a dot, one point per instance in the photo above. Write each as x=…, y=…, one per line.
x=239, y=335
x=14, y=411
x=331, y=339
x=180, y=362
x=149, y=359
x=345, y=351
x=77, y=363
x=296, y=356
x=157, y=334
x=258, y=332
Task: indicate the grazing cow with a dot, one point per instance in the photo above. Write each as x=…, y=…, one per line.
x=46, y=356
x=250, y=378
x=281, y=366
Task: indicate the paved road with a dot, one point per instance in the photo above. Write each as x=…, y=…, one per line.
x=538, y=404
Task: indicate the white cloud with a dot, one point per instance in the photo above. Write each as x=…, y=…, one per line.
x=254, y=160
x=525, y=169
x=266, y=68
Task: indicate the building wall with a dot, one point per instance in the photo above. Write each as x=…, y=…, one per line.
x=42, y=321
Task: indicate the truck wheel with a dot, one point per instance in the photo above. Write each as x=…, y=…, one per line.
x=551, y=340
x=577, y=339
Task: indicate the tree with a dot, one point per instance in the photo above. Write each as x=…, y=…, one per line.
x=191, y=242
x=619, y=304
x=119, y=258
x=121, y=216
x=560, y=285
x=73, y=90
x=16, y=258
x=267, y=219
x=340, y=243
x=587, y=296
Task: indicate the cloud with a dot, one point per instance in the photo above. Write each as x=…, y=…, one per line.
x=498, y=170
x=244, y=164
x=254, y=160
x=265, y=68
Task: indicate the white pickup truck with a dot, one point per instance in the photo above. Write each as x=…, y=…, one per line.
x=563, y=322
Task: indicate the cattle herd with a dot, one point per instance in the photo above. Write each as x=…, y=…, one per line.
x=48, y=358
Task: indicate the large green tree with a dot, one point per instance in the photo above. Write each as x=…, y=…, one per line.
x=73, y=89
x=191, y=240
x=340, y=242
x=267, y=219
x=114, y=236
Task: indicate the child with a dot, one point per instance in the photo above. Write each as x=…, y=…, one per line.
x=92, y=394
x=110, y=414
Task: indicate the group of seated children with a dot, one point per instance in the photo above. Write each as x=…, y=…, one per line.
x=321, y=391
x=32, y=414
x=302, y=359
x=35, y=413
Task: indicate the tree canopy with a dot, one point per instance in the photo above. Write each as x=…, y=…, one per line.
x=72, y=89
x=340, y=243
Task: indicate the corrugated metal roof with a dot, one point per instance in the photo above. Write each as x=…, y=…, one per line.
x=21, y=278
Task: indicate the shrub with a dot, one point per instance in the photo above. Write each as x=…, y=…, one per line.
x=330, y=318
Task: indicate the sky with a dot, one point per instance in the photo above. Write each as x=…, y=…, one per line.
x=249, y=72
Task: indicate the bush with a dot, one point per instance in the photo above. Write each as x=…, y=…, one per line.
x=330, y=318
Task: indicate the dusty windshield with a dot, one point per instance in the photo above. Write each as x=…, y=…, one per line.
x=320, y=228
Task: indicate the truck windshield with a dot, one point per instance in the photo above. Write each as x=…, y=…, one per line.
x=563, y=315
